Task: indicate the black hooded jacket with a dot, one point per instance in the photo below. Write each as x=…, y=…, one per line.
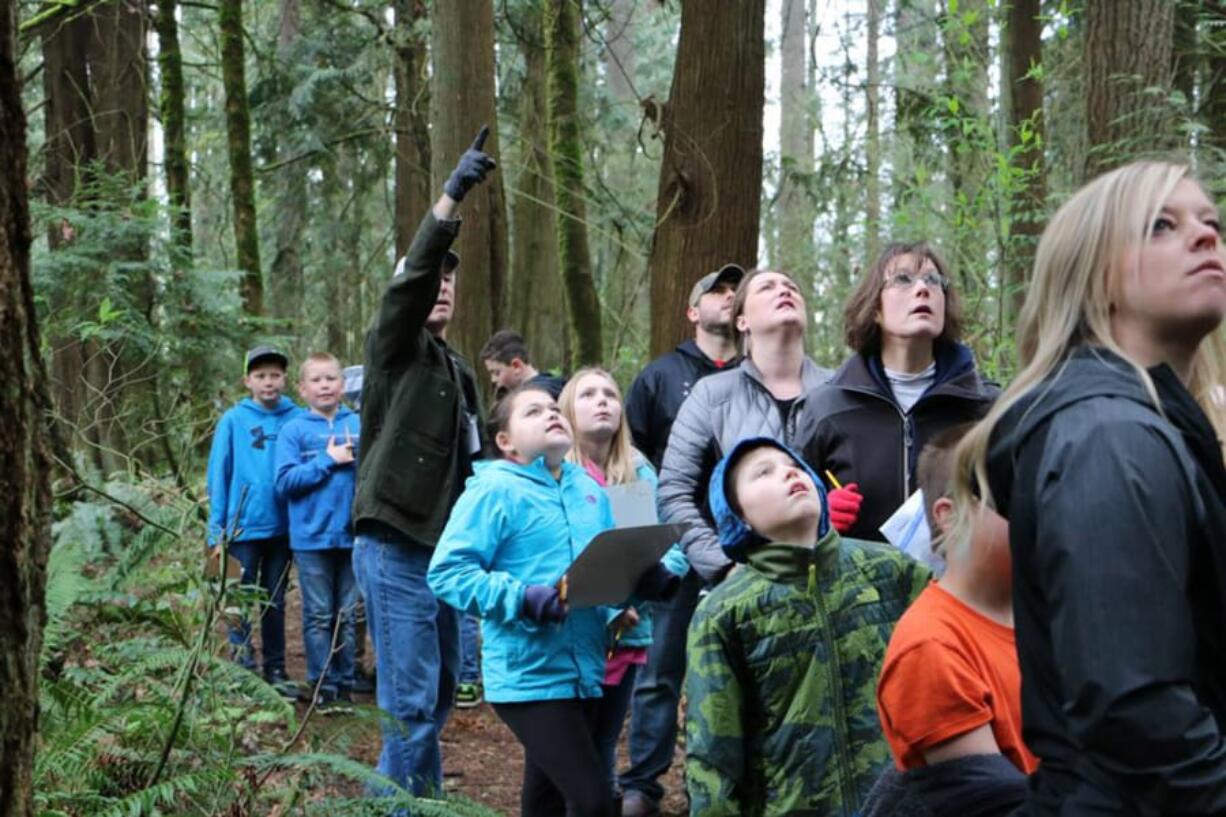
x=1117, y=521
x=857, y=431
x=657, y=393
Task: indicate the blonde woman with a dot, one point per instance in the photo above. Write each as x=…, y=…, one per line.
x=1104, y=455
x=592, y=403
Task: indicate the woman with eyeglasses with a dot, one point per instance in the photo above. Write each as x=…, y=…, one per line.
x=908, y=379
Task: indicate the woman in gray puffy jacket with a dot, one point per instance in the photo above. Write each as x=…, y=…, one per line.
x=763, y=396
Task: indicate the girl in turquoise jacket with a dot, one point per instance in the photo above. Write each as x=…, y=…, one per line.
x=520, y=523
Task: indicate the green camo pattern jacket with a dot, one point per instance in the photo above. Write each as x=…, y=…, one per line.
x=783, y=659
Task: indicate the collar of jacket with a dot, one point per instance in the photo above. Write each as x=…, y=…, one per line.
x=783, y=562
x=811, y=375
x=690, y=349
x=955, y=374
x=537, y=470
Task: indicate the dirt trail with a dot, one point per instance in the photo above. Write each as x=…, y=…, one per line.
x=481, y=758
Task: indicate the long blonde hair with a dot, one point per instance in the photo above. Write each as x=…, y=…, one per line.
x=622, y=466
x=1077, y=273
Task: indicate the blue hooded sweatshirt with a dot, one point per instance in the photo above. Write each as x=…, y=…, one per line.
x=242, y=456
x=513, y=526
x=319, y=492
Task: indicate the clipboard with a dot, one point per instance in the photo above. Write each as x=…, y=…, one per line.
x=613, y=562
x=633, y=504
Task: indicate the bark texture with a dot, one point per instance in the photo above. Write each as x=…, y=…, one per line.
x=462, y=100
x=566, y=142
x=1127, y=50
x=711, y=172
x=25, y=464
x=1026, y=131
x=412, y=122
x=238, y=134
x=172, y=104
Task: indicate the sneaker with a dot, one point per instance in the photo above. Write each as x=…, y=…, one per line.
x=283, y=684
x=334, y=703
x=467, y=696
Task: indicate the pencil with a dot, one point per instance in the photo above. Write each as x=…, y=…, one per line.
x=833, y=480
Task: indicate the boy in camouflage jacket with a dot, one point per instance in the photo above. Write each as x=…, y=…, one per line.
x=784, y=654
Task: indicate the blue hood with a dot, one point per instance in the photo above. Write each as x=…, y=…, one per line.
x=514, y=526
x=735, y=535
x=319, y=492
x=242, y=472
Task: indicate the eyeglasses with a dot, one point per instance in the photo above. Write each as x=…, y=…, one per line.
x=907, y=279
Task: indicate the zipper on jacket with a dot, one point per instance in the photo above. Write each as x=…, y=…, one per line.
x=908, y=440
x=570, y=636
x=836, y=685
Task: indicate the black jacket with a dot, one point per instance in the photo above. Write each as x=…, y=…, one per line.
x=419, y=403
x=857, y=431
x=1117, y=520
x=657, y=393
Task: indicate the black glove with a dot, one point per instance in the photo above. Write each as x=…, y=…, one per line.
x=542, y=604
x=472, y=168
x=658, y=584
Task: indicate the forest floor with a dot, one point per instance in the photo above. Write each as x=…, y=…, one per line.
x=481, y=758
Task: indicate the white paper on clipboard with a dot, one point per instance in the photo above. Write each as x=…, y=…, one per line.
x=907, y=530
x=633, y=504
x=612, y=564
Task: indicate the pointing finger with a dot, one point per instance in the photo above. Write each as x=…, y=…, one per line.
x=482, y=135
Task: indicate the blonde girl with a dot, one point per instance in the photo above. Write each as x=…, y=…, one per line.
x=592, y=404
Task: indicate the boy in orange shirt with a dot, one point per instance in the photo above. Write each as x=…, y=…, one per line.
x=950, y=685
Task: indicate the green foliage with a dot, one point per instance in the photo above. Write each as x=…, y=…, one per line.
x=134, y=671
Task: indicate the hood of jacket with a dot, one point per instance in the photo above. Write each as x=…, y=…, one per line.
x=956, y=374
x=1087, y=373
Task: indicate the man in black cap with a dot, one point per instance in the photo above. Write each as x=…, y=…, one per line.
x=420, y=433
x=651, y=406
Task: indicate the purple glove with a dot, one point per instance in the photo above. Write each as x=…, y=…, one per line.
x=542, y=604
x=658, y=584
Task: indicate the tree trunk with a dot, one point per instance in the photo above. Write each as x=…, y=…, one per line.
x=872, y=147
x=238, y=131
x=711, y=173
x=286, y=277
x=412, y=122
x=915, y=83
x=537, y=302
x=1026, y=131
x=172, y=101
x=794, y=250
x=25, y=464
x=566, y=143
x=1127, y=50
x=462, y=100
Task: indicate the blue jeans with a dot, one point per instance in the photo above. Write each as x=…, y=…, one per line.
x=657, y=693
x=328, y=594
x=266, y=564
x=417, y=655
x=470, y=667
x=610, y=717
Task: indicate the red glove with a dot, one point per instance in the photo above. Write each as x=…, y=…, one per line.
x=844, y=506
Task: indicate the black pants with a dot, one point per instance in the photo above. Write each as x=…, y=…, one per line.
x=563, y=772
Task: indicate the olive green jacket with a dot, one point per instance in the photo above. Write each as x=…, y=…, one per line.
x=413, y=397
x=783, y=661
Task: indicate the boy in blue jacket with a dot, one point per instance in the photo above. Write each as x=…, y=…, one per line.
x=316, y=473
x=244, y=508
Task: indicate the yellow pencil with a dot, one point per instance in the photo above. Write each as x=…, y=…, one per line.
x=833, y=480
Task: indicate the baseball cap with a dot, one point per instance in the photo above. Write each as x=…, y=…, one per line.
x=728, y=273
x=262, y=354
x=451, y=261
